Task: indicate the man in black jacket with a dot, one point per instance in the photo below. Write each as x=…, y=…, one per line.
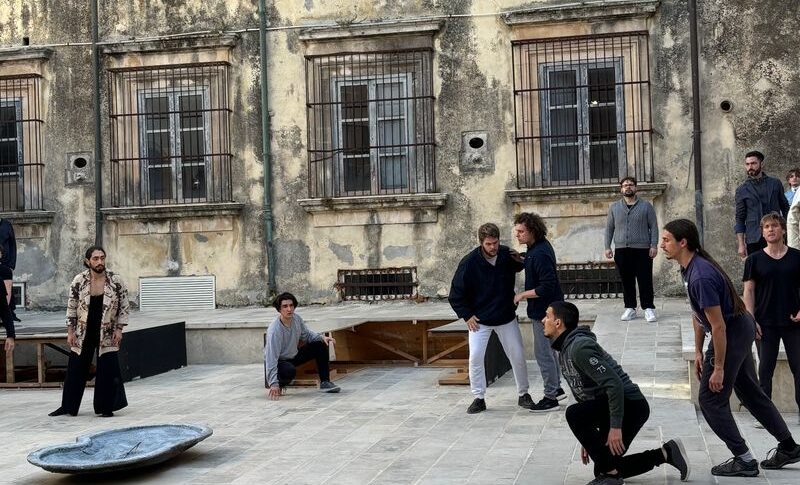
x=482, y=293
x=610, y=409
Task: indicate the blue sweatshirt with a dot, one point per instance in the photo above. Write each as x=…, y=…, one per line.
x=540, y=275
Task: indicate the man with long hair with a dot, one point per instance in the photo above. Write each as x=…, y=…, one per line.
x=727, y=366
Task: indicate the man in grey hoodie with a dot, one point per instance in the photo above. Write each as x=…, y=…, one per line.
x=610, y=409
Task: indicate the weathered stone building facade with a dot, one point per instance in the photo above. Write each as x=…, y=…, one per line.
x=396, y=128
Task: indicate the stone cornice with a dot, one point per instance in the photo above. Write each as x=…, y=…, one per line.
x=587, y=10
x=171, y=44
x=25, y=53
x=30, y=217
x=350, y=31
x=375, y=202
x=178, y=211
x=581, y=193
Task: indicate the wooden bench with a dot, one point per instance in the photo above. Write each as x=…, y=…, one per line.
x=40, y=341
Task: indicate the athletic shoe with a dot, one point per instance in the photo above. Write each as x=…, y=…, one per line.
x=778, y=458
x=545, y=405
x=736, y=467
x=628, y=314
x=676, y=456
x=650, y=315
x=603, y=479
x=477, y=406
x=560, y=394
x=328, y=386
x=525, y=401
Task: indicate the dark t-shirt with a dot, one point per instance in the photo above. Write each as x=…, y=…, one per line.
x=777, y=286
x=707, y=288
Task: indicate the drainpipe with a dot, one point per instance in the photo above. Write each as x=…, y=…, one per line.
x=696, y=132
x=98, y=146
x=265, y=154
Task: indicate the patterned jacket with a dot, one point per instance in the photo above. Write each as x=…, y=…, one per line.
x=115, y=309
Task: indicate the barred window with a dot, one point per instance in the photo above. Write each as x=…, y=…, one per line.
x=21, y=164
x=582, y=110
x=370, y=123
x=170, y=135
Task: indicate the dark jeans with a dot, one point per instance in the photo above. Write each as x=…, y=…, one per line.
x=768, y=348
x=635, y=265
x=318, y=351
x=739, y=377
x=756, y=246
x=589, y=422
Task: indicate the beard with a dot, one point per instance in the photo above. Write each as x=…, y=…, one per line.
x=99, y=268
x=754, y=173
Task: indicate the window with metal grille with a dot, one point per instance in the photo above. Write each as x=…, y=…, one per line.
x=170, y=135
x=377, y=284
x=589, y=280
x=21, y=164
x=370, y=123
x=582, y=110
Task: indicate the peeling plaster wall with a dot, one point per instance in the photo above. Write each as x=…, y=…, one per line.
x=748, y=56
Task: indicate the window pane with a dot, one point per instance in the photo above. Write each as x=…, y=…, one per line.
x=564, y=125
x=391, y=136
x=603, y=123
x=158, y=149
x=563, y=163
x=192, y=144
x=157, y=113
x=394, y=172
x=194, y=181
x=604, y=161
x=355, y=137
x=354, y=101
x=388, y=98
x=601, y=85
x=191, y=111
x=8, y=122
x=356, y=174
x=8, y=156
x=160, y=182
x=562, y=88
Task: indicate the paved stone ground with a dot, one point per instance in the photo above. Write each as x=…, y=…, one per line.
x=388, y=426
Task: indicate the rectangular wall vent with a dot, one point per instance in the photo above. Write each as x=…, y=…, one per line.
x=378, y=284
x=589, y=280
x=178, y=293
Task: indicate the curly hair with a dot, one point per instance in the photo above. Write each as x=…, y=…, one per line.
x=284, y=296
x=534, y=223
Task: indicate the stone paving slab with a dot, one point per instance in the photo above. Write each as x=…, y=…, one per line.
x=388, y=426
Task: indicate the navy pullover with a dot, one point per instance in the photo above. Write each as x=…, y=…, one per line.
x=540, y=275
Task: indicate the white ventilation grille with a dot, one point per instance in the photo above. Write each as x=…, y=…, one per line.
x=178, y=293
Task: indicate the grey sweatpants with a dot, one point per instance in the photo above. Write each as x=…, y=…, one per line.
x=547, y=359
x=740, y=377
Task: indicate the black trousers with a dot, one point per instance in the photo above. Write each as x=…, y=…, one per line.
x=739, y=377
x=109, y=392
x=589, y=422
x=317, y=351
x=635, y=265
x=768, y=348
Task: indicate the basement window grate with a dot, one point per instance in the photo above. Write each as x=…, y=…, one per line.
x=590, y=280
x=377, y=284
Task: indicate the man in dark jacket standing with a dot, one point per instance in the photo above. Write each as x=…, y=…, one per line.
x=759, y=195
x=610, y=409
x=8, y=259
x=482, y=293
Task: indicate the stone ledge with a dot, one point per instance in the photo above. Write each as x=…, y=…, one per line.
x=587, y=10
x=31, y=217
x=583, y=193
x=375, y=202
x=24, y=53
x=177, y=211
x=349, y=31
x=177, y=43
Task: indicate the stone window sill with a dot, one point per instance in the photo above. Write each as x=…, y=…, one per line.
x=583, y=193
x=178, y=211
x=30, y=217
x=375, y=202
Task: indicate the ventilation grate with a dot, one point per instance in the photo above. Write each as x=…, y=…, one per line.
x=589, y=280
x=378, y=284
x=178, y=293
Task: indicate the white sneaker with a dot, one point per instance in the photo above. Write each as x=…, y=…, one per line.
x=628, y=314
x=650, y=315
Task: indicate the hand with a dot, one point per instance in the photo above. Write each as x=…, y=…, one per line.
x=609, y=254
x=758, y=331
x=795, y=318
x=328, y=340
x=116, y=339
x=274, y=393
x=653, y=252
x=519, y=297
x=9, y=344
x=584, y=456
x=698, y=365
x=614, y=442
x=72, y=341
x=742, y=251
x=515, y=255
x=715, y=381
x=472, y=323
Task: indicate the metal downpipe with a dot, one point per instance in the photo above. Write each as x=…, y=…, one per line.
x=265, y=150
x=98, y=144
x=696, y=131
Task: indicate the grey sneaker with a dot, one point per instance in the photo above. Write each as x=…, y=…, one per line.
x=525, y=401
x=328, y=386
x=676, y=456
x=778, y=458
x=477, y=406
x=736, y=467
x=604, y=479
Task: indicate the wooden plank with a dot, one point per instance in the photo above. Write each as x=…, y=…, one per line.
x=448, y=351
x=455, y=379
x=40, y=362
x=9, y=366
x=425, y=338
x=388, y=347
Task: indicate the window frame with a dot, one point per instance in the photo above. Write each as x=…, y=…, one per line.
x=16, y=102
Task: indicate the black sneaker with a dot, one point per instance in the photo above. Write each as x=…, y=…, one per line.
x=560, y=394
x=477, y=406
x=603, y=479
x=545, y=405
x=328, y=386
x=736, y=467
x=525, y=401
x=778, y=458
x=676, y=456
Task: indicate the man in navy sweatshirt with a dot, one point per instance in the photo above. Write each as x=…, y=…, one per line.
x=482, y=293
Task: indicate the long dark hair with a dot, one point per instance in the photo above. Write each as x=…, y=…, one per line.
x=91, y=250
x=685, y=229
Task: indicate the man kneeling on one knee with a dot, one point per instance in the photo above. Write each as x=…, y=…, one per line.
x=289, y=344
x=610, y=409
